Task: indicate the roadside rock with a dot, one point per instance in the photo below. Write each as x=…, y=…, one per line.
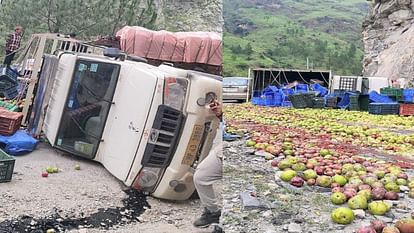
x=294, y=228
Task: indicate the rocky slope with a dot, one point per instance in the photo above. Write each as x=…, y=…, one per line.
x=389, y=39
x=190, y=15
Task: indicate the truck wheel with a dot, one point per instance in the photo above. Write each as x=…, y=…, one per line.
x=194, y=196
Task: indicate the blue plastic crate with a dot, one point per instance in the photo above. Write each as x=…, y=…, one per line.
x=345, y=100
x=299, y=88
x=339, y=93
x=378, y=98
x=270, y=89
x=286, y=104
x=384, y=108
x=278, y=99
x=262, y=102
x=408, y=95
x=269, y=100
x=319, y=88
x=273, y=99
x=11, y=93
x=286, y=92
x=8, y=74
x=256, y=100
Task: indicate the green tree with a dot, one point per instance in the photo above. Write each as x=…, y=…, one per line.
x=249, y=49
x=86, y=18
x=352, y=50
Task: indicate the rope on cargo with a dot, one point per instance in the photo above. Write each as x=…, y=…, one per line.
x=173, y=52
x=133, y=44
x=323, y=76
x=162, y=46
x=209, y=50
x=275, y=78
x=150, y=45
x=215, y=50
x=284, y=75
x=302, y=78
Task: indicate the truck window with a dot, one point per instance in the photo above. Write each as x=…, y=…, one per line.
x=87, y=107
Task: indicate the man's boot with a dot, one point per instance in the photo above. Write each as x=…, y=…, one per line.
x=207, y=218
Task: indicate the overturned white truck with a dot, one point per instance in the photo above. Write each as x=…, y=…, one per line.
x=149, y=126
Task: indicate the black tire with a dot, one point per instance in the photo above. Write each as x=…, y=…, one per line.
x=194, y=196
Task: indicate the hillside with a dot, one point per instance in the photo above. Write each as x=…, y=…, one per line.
x=283, y=33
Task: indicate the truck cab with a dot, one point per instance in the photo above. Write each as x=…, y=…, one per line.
x=148, y=126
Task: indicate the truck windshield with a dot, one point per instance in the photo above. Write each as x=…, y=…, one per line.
x=87, y=107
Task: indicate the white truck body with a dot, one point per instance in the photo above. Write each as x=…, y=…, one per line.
x=149, y=126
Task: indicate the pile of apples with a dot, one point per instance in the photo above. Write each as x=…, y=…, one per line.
x=317, y=147
x=377, y=226
x=357, y=128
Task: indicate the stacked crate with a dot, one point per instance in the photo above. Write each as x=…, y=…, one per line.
x=298, y=100
x=406, y=109
x=6, y=166
x=354, y=103
x=395, y=93
x=9, y=122
x=318, y=102
x=384, y=108
x=331, y=101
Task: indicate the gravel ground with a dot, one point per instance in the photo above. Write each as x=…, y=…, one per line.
x=90, y=197
x=283, y=209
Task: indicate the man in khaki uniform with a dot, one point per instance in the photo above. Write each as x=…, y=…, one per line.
x=209, y=171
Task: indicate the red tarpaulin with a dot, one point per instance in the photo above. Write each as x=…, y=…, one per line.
x=187, y=47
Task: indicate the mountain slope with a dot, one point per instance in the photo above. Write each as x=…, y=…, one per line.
x=284, y=33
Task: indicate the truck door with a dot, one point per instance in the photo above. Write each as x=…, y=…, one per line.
x=136, y=92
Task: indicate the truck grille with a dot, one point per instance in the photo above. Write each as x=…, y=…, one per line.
x=163, y=137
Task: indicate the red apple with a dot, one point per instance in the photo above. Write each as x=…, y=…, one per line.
x=337, y=189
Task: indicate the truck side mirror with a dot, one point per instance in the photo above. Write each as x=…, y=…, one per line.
x=114, y=53
x=137, y=59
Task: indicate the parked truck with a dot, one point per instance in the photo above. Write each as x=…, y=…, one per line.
x=149, y=126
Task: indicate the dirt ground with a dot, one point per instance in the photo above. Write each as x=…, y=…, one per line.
x=85, y=200
x=294, y=210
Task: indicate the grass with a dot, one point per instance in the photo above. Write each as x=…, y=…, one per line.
x=284, y=37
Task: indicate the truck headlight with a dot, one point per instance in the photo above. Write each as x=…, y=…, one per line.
x=147, y=179
x=175, y=90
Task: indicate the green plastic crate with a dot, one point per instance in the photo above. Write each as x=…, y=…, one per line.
x=6, y=166
x=318, y=102
x=354, y=107
x=354, y=99
x=394, y=92
x=10, y=107
x=298, y=100
x=363, y=102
